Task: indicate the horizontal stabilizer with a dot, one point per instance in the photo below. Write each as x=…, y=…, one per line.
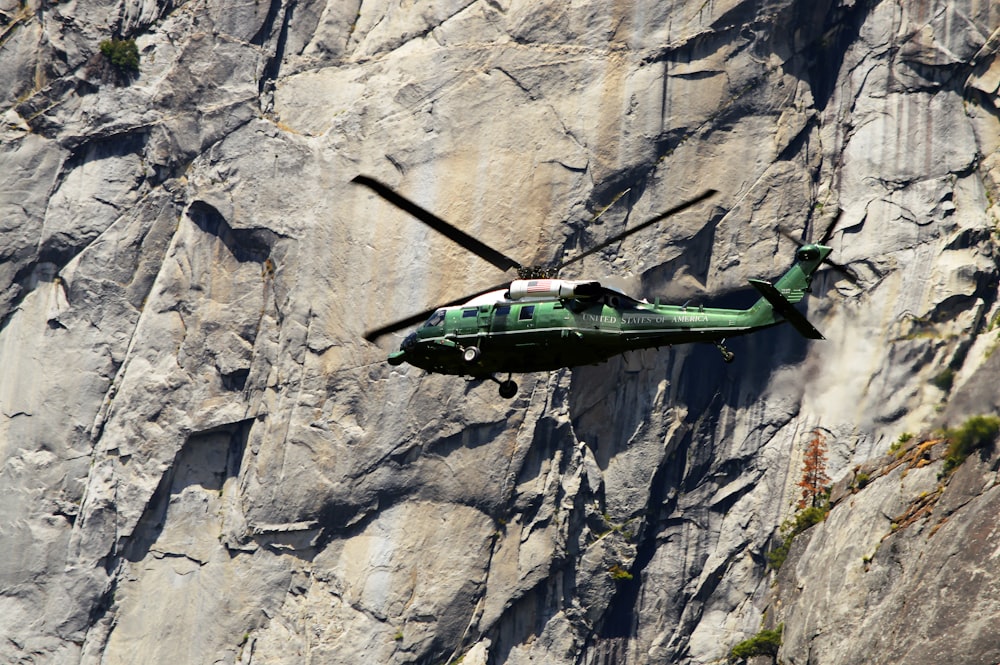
x=785, y=309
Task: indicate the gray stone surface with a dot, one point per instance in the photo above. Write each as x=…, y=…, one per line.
x=202, y=461
x=894, y=589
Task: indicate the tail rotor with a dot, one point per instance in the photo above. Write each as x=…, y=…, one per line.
x=842, y=269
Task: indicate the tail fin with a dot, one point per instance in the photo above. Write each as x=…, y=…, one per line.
x=778, y=298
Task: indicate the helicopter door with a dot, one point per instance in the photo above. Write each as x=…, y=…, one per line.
x=498, y=319
x=483, y=319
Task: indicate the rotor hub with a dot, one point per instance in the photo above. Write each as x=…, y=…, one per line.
x=807, y=253
x=536, y=272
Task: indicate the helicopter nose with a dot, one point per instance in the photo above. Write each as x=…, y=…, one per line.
x=409, y=342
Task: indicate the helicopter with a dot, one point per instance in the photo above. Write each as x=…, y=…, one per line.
x=539, y=322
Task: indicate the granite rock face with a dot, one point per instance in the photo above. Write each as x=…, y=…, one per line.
x=203, y=462
x=902, y=569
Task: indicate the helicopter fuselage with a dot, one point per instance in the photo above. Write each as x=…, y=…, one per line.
x=542, y=335
x=539, y=323
x=544, y=325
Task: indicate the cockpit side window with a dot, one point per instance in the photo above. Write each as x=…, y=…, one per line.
x=437, y=318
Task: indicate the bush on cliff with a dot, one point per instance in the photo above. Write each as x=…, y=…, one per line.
x=790, y=528
x=764, y=643
x=976, y=433
x=122, y=53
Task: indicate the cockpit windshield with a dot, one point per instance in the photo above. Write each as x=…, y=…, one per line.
x=436, y=319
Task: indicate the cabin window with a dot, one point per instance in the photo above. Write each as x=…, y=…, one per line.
x=469, y=313
x=526, y=313
x=503, y=310
x=436, y=319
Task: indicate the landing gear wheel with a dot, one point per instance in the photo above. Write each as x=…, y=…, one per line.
x=508, y=389
x=471, y=354
x=727, y=355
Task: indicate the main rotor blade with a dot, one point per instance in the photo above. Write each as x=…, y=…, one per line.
x=635, y=229
x=825, y=240
x=477, y=247
x=373, y=335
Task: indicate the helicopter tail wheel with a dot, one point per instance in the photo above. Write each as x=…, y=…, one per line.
x=508, y=389
x=471, y=354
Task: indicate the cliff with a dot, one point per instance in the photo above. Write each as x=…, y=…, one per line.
x=203, y=461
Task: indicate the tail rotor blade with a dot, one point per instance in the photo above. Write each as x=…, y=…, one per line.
x=833, y=226
x=843, y=270
x=785, y=232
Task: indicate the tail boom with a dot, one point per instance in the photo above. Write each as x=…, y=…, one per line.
x=778, y=299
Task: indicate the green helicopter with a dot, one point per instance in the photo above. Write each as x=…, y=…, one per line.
x=541, y=323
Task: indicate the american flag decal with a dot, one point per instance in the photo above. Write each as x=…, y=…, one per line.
x=539, y=286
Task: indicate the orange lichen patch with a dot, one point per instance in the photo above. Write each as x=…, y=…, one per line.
x=915, y=456
x=921, y=507
x=922, y=452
